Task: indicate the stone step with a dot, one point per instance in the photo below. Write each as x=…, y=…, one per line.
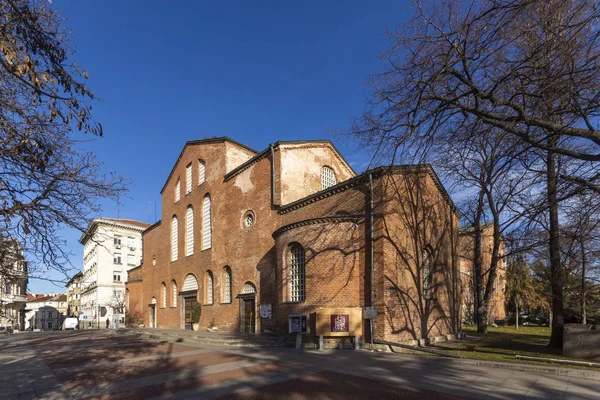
x=225, y=341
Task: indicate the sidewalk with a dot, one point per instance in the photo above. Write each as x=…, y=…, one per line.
x=217, y=338
x=236, y=339
x=127, y=364
x=24, y=374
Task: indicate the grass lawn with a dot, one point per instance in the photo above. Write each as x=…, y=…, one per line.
x=504, y=342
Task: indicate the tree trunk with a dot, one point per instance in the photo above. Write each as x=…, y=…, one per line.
x=517, y=315
x=583, y=316
x=556, y=338
x=481, y=305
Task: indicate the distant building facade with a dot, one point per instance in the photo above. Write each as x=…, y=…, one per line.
x=13, y=285
x=497, y=306
x=111, y=247
x=74, y=295
x=46, y=312
x=260, y=237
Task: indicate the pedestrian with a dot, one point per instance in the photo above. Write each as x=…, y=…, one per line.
x=107, y=323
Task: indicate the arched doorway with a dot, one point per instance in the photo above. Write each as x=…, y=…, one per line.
x=153, y=313
x=189, y=296
x=248, y=308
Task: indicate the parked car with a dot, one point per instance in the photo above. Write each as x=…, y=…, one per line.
x=71, y=323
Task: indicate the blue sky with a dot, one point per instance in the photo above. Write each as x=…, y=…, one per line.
x=172, y=71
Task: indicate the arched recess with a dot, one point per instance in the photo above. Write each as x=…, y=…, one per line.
x=248, y=308
x=152, y=313
x=188, y=296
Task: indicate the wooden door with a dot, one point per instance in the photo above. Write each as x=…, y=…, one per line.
x=188, y=312
x=249, y=305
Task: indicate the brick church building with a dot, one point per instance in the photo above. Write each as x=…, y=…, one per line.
x=292, y=230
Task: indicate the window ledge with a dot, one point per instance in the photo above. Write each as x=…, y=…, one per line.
x=208, y=305
x=294, y=302
x=226, y=302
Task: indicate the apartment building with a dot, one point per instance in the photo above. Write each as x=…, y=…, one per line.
x=13, y=285
x=262, y=238
x=111, y=247
x=74, y=295
x=46, y=312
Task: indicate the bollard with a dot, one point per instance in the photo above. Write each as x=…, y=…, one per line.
x=320, y=342
x=355, y=342
x=298, y=340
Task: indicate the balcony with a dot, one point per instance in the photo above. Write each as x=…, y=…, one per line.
x=14, y=298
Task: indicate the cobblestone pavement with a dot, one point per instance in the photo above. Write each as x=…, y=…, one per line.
x=105, y=365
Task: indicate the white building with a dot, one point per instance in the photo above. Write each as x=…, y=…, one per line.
x=46, y=312
x=111, y=247
x=13, y=285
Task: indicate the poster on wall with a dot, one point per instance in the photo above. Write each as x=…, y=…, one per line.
x=340, y=323
x=266, y=311
x=298, y=323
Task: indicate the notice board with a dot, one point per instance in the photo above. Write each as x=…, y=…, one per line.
x=339, y=321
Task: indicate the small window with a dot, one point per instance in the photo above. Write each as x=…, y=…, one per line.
x=249, y=219
x=189, y=231
x=131, y=242
x=117, y=258
x=130, y=259
x=117, y=240
x=50, y=314
x=178, y=190
x=49, y=325
x=206, y=224
x=188, y=179
x=201, y=172
x=174, y=289
x=227, y=285
x=210, y=286
x=327, y=178
x=164, y=295
x=174, y=239
x=117, y=276
x=297, y=273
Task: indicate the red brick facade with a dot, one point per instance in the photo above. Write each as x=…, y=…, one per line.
x=281, y=188
x=497, y=306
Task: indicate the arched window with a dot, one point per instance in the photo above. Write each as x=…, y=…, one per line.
x=190, y=283
x=163, y=297
x=427, y=274
x=210, y=287
x=327, y=178
x=189, y=231
x=174, y=294
x=178, y=190
x=249, y=288
x=174, y=239
x=201, y=172
x=206, y=225
x=188, y=179
x=297, y=273
x=226, y=285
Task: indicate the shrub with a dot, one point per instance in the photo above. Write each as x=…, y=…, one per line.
x=196, y=311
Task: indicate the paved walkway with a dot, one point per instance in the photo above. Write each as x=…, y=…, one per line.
x=101, y=365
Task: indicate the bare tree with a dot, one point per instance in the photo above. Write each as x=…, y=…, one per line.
x=46, y=181
x=489, y=163
x=526, y=67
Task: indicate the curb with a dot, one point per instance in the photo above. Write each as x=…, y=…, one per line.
x=540, y=369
